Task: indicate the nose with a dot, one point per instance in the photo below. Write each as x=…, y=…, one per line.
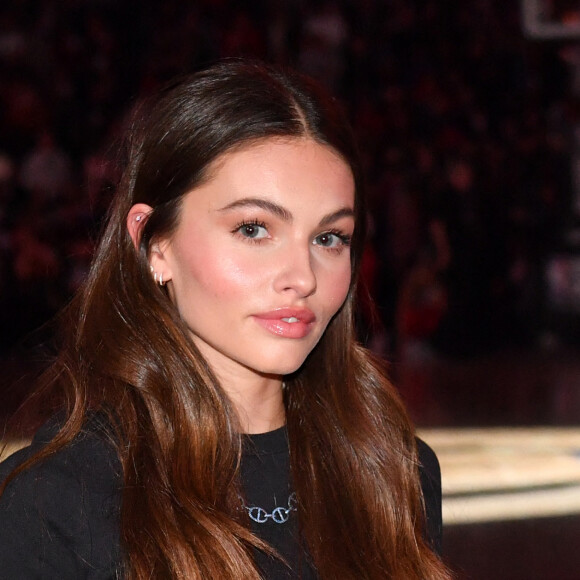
x=295, y=273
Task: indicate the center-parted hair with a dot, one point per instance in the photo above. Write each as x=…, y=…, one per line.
x=127, y=353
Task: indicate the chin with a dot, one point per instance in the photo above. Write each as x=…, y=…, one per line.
x=282, y=370
x=281, y=365
x=290, y=358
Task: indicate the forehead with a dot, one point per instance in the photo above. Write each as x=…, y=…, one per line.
x=288, y=169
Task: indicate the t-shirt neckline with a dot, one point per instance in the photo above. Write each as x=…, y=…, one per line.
x=275, y=441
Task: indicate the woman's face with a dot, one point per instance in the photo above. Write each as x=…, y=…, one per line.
x=260, y=260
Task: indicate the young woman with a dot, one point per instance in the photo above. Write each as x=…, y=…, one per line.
x=219, y=419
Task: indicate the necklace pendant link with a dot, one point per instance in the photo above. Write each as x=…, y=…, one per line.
x=280, y=515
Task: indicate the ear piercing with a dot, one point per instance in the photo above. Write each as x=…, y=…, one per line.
x=157, y=277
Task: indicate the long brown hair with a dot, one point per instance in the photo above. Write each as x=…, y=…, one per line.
x=127, y=353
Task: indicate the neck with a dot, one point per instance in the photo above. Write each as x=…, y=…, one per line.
x=257, y=397
x=258, y=402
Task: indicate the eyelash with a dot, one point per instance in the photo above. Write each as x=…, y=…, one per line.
x=249, y=223
x=345, y=239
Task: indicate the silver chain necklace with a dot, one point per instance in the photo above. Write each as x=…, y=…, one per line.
x=280, y=515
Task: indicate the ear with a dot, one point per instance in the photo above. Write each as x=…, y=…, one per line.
x=136, y=219
x=160, y=262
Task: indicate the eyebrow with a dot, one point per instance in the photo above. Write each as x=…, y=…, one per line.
x=336, y=215
x=282, y=212
x=264, y=204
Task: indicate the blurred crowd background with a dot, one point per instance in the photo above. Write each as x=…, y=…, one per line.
x=468, y=130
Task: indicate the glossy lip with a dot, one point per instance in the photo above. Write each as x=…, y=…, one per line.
x=273, y=323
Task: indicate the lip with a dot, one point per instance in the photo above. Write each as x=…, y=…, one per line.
x=273, y=322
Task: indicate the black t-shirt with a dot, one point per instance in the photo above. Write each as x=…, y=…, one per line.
x=271, y=504
x=59, y=519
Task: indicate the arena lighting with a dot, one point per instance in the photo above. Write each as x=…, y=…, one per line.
x=502, y=474
x=550, y=19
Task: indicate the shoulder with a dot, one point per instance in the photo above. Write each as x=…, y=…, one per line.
x=430, y=476
x=89, y=460
x=60, y=515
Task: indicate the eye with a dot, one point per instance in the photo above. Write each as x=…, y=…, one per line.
x=332, y=240
x=253, y=230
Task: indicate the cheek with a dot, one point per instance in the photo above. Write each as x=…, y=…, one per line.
x=232, y=278
x=336, y=286
x=216, y=273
